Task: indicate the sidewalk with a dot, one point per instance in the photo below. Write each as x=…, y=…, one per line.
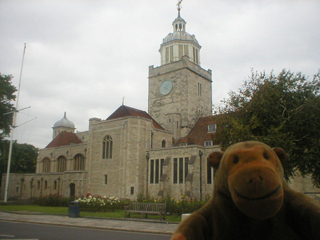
x=135, y=225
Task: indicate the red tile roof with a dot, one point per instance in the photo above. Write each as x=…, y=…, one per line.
x=64, y=139
x=125, y=111
x=199, y=133
x=187, y=140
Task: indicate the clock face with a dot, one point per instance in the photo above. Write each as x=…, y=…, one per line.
x=166, y=87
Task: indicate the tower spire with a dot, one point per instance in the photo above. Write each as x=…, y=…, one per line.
x=179, y=7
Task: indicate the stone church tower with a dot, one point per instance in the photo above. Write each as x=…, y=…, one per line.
x=180, y=90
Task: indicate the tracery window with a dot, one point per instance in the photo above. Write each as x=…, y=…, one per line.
x=62, y=164
x=78, y=162
x=107, y=147
x=46, y=165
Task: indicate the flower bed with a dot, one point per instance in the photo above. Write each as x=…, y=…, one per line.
x=91, y=203
x=99, y=204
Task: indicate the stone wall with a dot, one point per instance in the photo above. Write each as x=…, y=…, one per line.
x=194, y=184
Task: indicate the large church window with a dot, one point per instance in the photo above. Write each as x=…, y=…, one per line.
x=180, y=170
x=156, y=170
x=107, y=147
x=62, y=164
x=78, y=162
x=46, y=165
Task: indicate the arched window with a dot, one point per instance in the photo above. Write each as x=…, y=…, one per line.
x=46, y=165
x=62, y=164
x=78, y=162
x=163, y=143
x=107, y=147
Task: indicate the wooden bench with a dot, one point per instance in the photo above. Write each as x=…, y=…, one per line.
x=145, y=208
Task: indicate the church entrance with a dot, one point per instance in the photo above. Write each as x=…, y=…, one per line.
x=72, y=187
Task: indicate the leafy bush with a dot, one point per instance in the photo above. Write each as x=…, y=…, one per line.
x=53, y=200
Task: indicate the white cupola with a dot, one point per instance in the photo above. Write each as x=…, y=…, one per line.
x=63, y=124
x=179, y=43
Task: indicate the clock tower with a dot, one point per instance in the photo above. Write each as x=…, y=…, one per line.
x=180, y=90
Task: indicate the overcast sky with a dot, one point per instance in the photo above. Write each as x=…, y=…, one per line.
x=83, y=57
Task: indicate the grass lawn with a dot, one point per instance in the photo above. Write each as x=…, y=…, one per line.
x=64, y=211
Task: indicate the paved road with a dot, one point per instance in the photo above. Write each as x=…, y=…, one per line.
x=31, y=231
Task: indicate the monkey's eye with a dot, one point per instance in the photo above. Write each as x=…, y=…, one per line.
x=266, y=156
x=235, y=159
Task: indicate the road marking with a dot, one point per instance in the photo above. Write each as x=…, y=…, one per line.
x=3, y=235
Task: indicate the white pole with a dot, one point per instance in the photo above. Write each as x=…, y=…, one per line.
x=12, y=130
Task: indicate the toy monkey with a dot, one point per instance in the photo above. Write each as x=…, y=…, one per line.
x=252, y=200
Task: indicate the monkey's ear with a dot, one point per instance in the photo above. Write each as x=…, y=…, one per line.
x=214, y=159
x=282, y=155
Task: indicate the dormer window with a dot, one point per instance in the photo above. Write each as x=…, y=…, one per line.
x=212, y=128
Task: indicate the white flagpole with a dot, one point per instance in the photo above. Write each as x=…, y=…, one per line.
x=12, y=130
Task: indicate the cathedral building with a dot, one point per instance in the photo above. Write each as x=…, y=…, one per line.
x=132, y=153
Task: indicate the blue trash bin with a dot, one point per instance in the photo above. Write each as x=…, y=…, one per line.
x=74, y=209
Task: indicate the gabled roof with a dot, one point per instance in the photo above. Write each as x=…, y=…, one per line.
x=64, y=139
x=125, y=111
x=199, y=133
x=186, y=140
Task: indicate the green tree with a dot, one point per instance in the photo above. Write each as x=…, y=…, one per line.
x=7, y=91
x=282, y=111
x=23, y=160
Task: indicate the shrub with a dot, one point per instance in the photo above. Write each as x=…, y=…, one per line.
x=52, y=200
x=183, y=205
